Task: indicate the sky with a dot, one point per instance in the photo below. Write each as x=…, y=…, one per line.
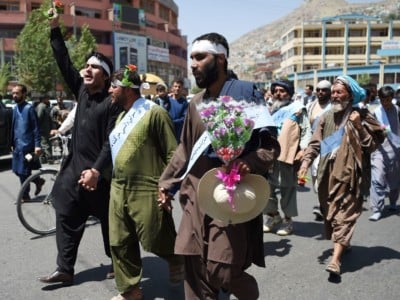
x=232, y=18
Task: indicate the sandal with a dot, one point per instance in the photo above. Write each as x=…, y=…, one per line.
x=333, y=268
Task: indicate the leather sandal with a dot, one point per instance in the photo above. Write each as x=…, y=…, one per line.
x=333, y=268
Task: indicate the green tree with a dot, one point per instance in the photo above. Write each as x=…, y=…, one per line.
x=4, y=77
x=364, y=79
x=35, y=64
x=80, y=49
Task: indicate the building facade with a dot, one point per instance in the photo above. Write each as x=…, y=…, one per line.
x=143, y=32
x=347, y=44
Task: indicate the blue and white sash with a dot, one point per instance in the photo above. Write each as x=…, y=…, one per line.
x=332, y=142
x=124, y=127
x=286, y=112
x=259, y=114
x=382, y=117
x=318, y=117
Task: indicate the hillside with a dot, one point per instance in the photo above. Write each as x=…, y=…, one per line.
x=267, y=38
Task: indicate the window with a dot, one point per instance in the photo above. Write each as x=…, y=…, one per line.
x=35, y=6
x=147, y=5
x=334, y=33
x=9, y=33
x=356, y=33
x=312, y=51
x=396, y=32
x=164, y=13
x=312, y=33
x=374, y=49
x=334, y=50
x=85, y=12
x=9, y=5
x=174, y=20
x=379, y=32
x=357, y=50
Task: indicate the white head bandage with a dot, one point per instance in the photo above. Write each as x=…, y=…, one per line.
x=208, y=47
x=130, y=85
x=144, y=85
x=93, y=60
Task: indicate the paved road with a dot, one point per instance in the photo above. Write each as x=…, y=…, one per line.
x=295, y=264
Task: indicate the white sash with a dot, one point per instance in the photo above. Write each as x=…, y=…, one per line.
x=259, y=114
x=121, y=131
x=382, y=117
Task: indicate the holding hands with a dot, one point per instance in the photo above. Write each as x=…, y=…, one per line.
x=164, y=199
x=89, y=179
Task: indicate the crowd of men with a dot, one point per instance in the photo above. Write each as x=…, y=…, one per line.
x=129, y=156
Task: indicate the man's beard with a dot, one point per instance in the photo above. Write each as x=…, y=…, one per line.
x=18, y=100
x=337, y=107
x=208, y=76
x=323, y=101
x=277, y=104
x=121, y=100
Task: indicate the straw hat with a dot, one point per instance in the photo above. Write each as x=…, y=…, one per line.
x=250, y=198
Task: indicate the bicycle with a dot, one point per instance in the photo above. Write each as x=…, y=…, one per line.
x=37, y=214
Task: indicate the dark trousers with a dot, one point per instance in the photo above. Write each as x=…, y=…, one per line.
x=204, y=279
x=69, y=232
x=22, y=178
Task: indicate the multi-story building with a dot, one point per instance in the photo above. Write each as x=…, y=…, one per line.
x=351, y=44
x=142, y=32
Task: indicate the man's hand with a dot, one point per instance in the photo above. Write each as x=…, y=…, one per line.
x=53, y=17
x=89, y=179
x=242, y=166
x=356, y=120
x=54, y=132
x=299, y=155
x=38, y=151
x=164, y=199
x=302, y=172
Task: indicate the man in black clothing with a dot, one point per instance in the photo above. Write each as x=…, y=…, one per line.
x=83, y=184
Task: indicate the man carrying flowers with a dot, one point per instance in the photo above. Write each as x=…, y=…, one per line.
x=216, y=253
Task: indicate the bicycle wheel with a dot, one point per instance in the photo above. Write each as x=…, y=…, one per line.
x=34, y=203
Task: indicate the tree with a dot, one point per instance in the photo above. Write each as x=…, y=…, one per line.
x=364, y=79
x=4, y=77
x=35, y=64
x=34, y=60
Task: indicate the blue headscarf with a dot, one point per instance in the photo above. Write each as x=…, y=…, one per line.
x=356, y=90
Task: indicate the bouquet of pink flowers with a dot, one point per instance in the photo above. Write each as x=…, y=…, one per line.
x=229, y=129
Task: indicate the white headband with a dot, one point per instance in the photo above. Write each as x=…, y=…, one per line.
x=208, y=47
x=144, y=85
x=93, y=60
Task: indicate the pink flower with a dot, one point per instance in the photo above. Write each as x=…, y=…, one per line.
x=230, y=180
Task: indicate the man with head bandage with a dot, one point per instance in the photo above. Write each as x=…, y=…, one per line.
x=83, y=185
x=216, y=254
x=142, y=143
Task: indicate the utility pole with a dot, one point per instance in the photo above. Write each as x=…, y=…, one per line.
x=72, y=12
x=2, y=52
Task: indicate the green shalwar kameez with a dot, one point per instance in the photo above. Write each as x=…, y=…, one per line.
x=134, y=214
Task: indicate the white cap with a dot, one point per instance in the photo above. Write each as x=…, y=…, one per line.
x=324, y=84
